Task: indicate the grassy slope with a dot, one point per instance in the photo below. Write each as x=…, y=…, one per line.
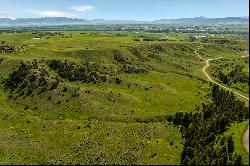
x=126, y=127
x=238, y=130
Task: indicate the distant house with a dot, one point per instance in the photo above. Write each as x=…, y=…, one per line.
x=200, y=37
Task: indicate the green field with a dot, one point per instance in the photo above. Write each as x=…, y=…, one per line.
x=92, y=121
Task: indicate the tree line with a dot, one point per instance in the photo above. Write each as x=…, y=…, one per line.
x=234, y=76
x=28, y=77
x=202, y=131
x=72, y=72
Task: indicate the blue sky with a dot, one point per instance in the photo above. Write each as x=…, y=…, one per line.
x=123, y=9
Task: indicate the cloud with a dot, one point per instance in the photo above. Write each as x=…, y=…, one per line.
x=10, y=17
x=82, y=8
x=52, y=13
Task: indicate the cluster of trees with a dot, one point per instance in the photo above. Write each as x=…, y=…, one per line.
x=236, y=48
x=202, y=131
x=150, y=39
x=93, y=34
x=88, y=73
x=224, y=41
x=136, y=39
x=156, y=48
x=47, y=35
x=121, y=34
x=118, y=57
x=154, y=56
x=134, y=69
x=234, y=76
x=27, y=78
x=8, y=49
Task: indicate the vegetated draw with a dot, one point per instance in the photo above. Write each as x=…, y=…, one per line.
x=87, y=73
x=30, y=76
x=7, y=49
x=201, y=131
x=134, y=69
x=234, y=76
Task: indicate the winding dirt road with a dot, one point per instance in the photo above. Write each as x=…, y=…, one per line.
x=210, y=79
x=246, y=134
x=246, y=139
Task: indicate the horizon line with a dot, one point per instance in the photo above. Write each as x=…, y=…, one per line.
x=124, y=19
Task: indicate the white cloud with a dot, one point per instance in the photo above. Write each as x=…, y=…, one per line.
x=52, y=13
x=10, y=17
x=82, y=8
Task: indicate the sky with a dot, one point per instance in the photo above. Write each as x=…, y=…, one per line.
x=140, y=10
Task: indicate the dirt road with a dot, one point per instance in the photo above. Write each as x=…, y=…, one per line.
x=210, y=79
x=246, y=139
x=246, y=134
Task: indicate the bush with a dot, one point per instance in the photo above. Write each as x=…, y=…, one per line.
x=134, y=69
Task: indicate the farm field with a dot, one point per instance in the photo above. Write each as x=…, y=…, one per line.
x=105, y=98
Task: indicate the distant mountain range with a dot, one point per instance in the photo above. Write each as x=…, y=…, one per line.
x=50, y=21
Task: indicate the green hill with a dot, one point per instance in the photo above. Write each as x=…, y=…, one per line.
x=72, y=98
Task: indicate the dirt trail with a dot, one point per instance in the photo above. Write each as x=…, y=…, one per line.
x=246, y=139
x=210, y=79
x=246, y=134
x=198, y=53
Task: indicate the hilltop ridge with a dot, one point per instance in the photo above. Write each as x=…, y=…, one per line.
x=46, y=21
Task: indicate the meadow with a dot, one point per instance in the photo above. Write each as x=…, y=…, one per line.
x=103, y=98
